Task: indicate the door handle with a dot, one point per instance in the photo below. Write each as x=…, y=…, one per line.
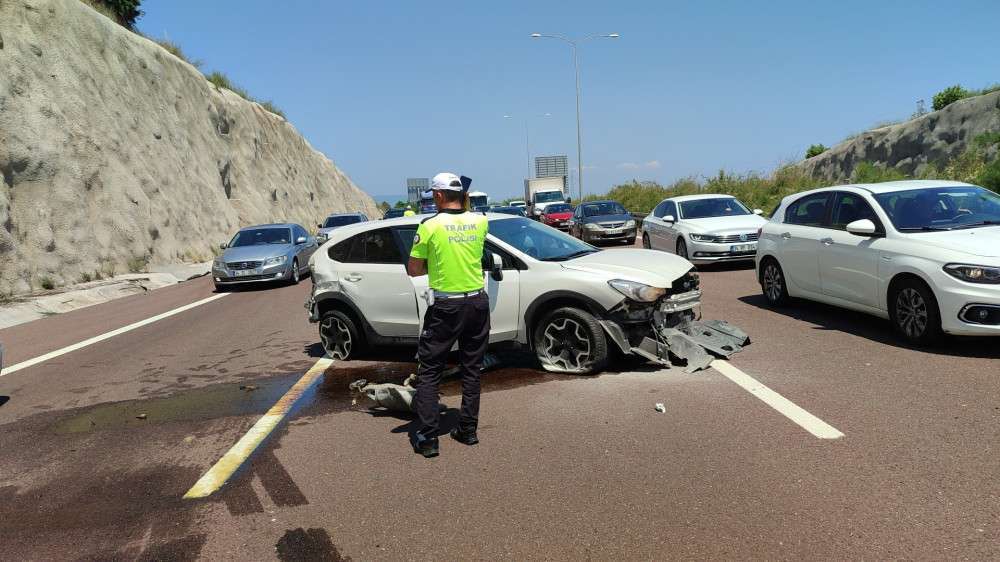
x=352, y=277
x=786, y=235
x=827, y=241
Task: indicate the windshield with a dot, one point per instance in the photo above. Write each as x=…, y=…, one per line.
x=261, y=237
x=479, y=200
x=342, y=220
x=941, y=208
x=548, y=196
x=539, y=241
x=558, y=208
x=602, y=209
x=718, y=207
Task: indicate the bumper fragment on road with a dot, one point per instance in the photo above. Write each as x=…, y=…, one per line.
x=784, y=406
x=223, y=470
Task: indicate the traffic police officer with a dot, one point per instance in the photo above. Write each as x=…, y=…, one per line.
x=409, y=211
x=448, y=247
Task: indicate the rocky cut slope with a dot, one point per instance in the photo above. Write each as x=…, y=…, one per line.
x=114, y=152
x=934, y=138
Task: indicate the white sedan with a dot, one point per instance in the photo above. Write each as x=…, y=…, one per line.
x=924, y=254
x=703, y=228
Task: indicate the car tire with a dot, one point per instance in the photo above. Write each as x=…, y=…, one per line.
x=772, y=283
x=296, y=275
x=914, y=312
x=570, y=340
x=339, y=336
x=645, y=242
x=682, y=248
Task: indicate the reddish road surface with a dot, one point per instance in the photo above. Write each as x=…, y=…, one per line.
x=98, y=446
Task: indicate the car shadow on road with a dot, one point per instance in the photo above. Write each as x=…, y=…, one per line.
x=726, y=266
x=832, y=318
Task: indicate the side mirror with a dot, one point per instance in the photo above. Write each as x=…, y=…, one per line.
x=758, y=212
x=300, y=240
x=496, y=268
x=863, y=227
x=320, y=225
x=223, y=246
x=669, y=218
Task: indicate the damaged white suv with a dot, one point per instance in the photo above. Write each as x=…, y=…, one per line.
x=566, y=300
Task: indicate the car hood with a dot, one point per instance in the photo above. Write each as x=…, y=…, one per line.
x=726, y=225
x=560, y=216
x=983, y=242
x=607, y=218
x=255, y=253
x=654, y=268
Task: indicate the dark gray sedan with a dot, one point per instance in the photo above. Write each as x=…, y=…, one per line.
x=602, y=221
x=269, y=252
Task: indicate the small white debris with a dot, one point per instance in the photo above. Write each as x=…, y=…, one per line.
x=661, y=408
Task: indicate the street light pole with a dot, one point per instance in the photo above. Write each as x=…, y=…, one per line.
x=576, y=65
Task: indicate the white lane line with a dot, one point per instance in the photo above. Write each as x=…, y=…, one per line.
x=784, y=406
x=96, y=339
x=222, y=471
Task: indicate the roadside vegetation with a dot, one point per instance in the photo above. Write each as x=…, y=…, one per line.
x=979, y=165
x=127, y=12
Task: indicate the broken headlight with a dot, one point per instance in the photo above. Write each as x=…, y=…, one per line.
x=974, y=273
x=637, y=291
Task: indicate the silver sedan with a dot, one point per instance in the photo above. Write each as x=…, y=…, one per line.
x=270, y=252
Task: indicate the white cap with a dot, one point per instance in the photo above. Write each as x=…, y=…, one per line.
x=446, y=181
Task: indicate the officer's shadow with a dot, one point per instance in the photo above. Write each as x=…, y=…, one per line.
x=449, y=421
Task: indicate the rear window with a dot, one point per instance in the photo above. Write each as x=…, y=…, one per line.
x=342, y=220
x=808, y=211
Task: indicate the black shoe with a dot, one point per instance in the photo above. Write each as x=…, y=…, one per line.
x=466, y=438
x=426, y=446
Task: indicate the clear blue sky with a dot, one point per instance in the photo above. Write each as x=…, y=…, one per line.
x=396, y=89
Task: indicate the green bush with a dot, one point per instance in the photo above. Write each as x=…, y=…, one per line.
x=220, y=80
x=138, y=264
x=815, y=150
x=950, y=95
x=47, y=283
x=989, y=177
x=125, y=12
x=866, y=172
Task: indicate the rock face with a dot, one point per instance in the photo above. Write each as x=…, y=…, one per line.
x=931, y=139
x=114, y=152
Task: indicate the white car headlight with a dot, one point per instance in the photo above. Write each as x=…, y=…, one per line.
x=592, y=226
x=218, y=263
x=974, y=273
x=637, y=291
x=630, y=223
x=275, y=261
x=702, y=237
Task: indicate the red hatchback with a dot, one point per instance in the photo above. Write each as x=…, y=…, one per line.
x=556, y=215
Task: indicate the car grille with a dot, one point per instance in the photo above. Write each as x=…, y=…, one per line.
x=735, y=238
x=612, y=224
x=243, y=265
x=250, y=277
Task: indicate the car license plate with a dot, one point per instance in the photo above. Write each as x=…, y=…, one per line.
x=245, y=272
x=740, y=248
x=613, y=231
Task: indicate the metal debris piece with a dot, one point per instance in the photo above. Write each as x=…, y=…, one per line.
x=141, y=417
x=687, y=349
x=397, y=397
x=248, y=387
x=661, y=408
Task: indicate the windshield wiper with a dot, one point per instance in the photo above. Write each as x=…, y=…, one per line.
x=924, y=229
x=570, y=256
x=980, y=223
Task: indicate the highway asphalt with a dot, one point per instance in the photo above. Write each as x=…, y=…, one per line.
x=98, y=445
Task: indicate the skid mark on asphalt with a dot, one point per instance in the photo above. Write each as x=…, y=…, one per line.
x=224, y=469
x=106, y=336
x=784, y=406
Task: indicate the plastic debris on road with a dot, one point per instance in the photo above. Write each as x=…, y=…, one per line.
x=693, y=344
x=661, y=408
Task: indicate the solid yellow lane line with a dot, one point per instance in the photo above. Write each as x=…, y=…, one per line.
x=224, y=469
